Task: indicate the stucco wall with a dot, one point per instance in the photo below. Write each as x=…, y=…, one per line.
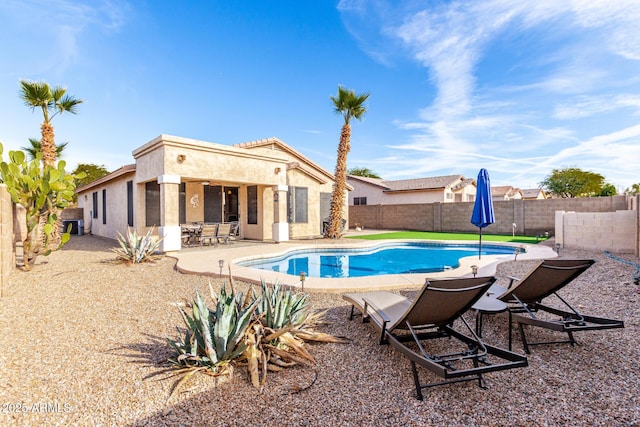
x=116, y=207
x=530, y=216
x=200, y=160
x=7, y=252
x=311, y=228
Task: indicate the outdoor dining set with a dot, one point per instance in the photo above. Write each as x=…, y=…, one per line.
x=205, y=233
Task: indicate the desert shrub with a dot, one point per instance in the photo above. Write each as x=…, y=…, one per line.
x=281, y=306
x=136, y=249
x=266, y=332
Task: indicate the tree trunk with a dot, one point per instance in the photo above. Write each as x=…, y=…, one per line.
x=36, y=242
x=340, y=185
x=48, y=144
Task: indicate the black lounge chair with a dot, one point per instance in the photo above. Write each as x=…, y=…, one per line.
x=525, y=306
x=405, y=324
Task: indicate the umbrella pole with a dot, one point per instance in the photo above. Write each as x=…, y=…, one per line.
x=480, y=245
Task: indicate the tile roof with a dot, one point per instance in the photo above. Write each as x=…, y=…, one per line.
x=532, y=193
x=431, y=183
x=505, y=191
x=275, y=142
x=126, y=169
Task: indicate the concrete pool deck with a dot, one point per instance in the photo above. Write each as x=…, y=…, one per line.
x=206, y=261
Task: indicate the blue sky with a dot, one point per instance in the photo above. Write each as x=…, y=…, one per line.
x=516, y=87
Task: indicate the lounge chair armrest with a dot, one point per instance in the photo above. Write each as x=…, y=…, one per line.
x=377, y=310
x=511, y=280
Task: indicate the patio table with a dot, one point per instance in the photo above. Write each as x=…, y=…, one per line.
x=489, y=304
x=193, y=230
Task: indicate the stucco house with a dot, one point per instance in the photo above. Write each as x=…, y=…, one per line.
x=273, y=191
x=443, y=189
x=506, y=192
x=533, y=194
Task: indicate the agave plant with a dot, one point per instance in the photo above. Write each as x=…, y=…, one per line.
x=136, y=249
x=276, y=339
x=212, y=338
x=265, y=332
x=281, y=306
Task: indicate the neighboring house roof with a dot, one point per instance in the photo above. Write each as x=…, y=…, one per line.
x=533, y=193
x=417, y=184
x=124, y=170
x=506, y=192
x=464, y=183
x=373, y=181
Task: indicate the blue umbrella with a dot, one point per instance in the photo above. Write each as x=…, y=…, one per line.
x=483, y=207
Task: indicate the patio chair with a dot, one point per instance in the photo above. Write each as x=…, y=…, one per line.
x=525, y=306
x=224, y=233
x=405, y=324
x=235, y=229
x=186, y=235
x=208, y=234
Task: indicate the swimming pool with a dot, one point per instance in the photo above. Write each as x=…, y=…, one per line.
x=392, y=258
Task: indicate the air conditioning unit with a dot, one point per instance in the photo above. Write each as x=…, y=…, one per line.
x=77, y=226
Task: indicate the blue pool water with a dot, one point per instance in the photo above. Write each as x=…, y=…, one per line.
x=396, y=258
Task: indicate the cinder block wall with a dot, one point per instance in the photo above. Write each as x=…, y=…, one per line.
x=607, y=231
x=7, y=252
x=531, y=217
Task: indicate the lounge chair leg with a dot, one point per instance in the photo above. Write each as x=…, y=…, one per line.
x=351, y=314
x=481, y=382
x=416, y=380
x=572, y=341
x=524, y=338
x=382, y=337
x=510, y=326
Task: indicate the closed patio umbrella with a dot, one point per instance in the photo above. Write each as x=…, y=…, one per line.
x=483, y=208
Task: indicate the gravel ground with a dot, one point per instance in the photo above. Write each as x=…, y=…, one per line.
x=83, y=336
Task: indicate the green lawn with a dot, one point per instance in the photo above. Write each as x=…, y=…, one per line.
x=428, y=235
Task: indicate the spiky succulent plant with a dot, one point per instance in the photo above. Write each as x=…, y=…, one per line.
x=136, y=249
x=213, y=338
x=282, y=306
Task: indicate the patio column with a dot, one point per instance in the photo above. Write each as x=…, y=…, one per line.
x=280, y=228
x=169, y=229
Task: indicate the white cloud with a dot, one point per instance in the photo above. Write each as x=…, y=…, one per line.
x=575, y=60
x=60, y=25
x=586, y=106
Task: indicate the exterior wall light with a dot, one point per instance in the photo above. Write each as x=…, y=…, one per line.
x=182, y=158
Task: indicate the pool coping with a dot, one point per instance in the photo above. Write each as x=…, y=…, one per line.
x=205, y=261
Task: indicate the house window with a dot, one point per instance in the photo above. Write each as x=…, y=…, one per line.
x=297, y=208
x=94, y=212
x=449, y=196
x=104, y=206
x=359, y=201
x=152, y=203
x=130, y=203
x=252, y=204
x=182, y=203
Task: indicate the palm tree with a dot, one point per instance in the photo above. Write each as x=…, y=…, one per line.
x=350, y=106
x=52, y=102
x=35, y=147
